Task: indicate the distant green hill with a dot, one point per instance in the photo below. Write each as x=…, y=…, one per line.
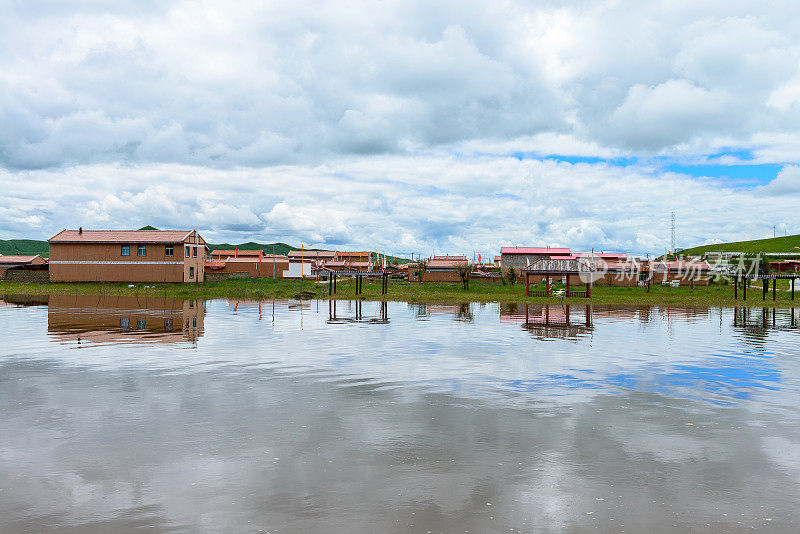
x=775, y=244
x=23, y=246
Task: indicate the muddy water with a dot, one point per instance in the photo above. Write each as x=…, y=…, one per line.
x=119, y=414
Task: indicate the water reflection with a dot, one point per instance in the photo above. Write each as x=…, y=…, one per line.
x=82, y=319
x=305, y=416
x=352, y=312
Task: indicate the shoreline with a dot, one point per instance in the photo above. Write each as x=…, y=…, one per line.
x=401, y=291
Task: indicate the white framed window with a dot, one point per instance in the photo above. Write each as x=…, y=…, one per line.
x=126, y=250
x=142, y=250
x=169, y=250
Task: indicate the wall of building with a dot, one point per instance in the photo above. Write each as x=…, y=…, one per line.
x=25, y=275
x=254, y=269
x=104, y=262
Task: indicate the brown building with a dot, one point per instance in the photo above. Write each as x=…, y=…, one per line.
x=359, y=257
x=439, y=269
x=236, y=253
x=10, y=261
x=318, y=256
x=127, y=256
x=266, y=266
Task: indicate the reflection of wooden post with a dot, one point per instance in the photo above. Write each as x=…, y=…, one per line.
x=566, y=312
x=588, y=315
x=547, y=314
x=526, y=313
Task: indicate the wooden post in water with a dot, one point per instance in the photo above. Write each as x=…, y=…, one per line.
x=527, y=284
x=744, y=288
x=774, y=283
x=792, y=282
x=568, y=288
x=735, y=287
x=764, y=284
x=547, y=287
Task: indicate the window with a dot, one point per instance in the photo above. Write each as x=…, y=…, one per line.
x=169, y=250
x=168, y=325
x=194, y=252
x=191, y=272
x=142, y=250
x=140, y=324
x=124, y=323
x=126, y=250
x=188, y=253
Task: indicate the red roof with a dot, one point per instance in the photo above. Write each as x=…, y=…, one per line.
x=438, y=262
x=234, y=253
x=17, y=259
x=122, y=236
x=251, y=259
x=311, y=254
x=603, y=255
x=536, y=250
x=353, y=254
x=450, y=257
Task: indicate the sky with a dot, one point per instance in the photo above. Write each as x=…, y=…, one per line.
x=403, y=126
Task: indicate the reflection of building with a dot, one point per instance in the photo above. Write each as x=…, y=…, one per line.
x=338, y=315
x=550, y=320
x=126, y=256
x=120, y=319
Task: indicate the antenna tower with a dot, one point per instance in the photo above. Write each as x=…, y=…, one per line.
x=672, y=234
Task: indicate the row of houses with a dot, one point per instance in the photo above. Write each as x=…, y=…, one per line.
x=183, y=256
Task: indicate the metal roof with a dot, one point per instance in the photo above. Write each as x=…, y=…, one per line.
x=536, y=250
x=122, y=236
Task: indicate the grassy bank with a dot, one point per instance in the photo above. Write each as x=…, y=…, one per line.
x=715, y=295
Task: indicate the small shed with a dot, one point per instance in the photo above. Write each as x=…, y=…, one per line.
x=566, y=268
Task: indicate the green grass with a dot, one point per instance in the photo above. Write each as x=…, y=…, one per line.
x=777, y=244
x=714, y=295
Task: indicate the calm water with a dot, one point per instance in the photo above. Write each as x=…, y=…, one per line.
x=122, y=414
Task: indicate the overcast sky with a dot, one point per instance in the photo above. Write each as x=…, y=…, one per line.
x=403, y=126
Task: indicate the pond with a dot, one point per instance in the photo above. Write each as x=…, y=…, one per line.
x=127, y=413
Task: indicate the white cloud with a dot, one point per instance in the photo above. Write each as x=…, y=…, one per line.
x=402, y=203
x=301, y=82
x=346, y=124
